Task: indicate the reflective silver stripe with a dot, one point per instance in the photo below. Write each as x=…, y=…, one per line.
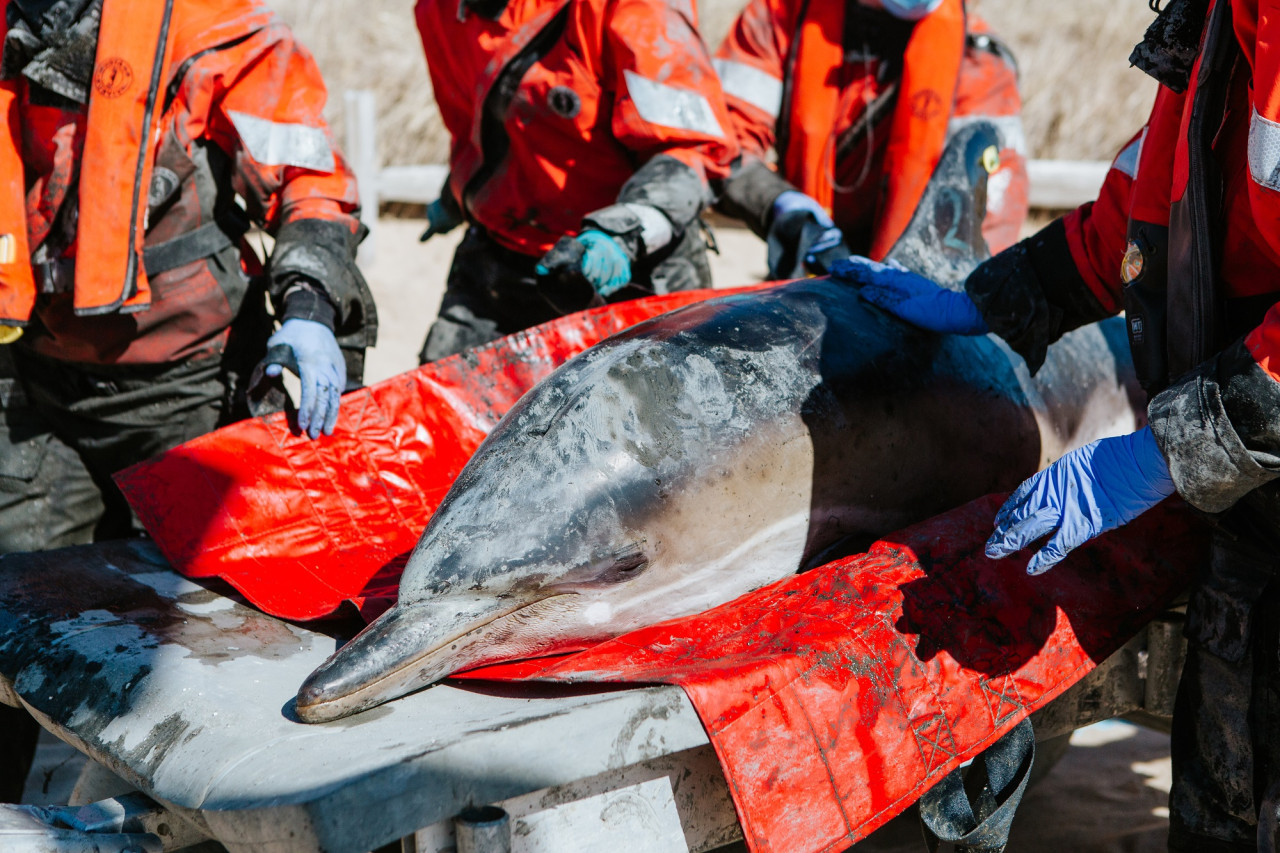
x=747, y=83
x=1008, y=127
x=1128, y=159
x=682, y=109
x=655, y=229
x=1264, y=151
x=274, y=143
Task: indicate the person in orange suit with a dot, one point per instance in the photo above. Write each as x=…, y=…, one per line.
x=138, y=143
x=1184, y=237
x=585, y=138
x=857, y=99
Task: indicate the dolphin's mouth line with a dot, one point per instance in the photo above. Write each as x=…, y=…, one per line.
x=391, y=675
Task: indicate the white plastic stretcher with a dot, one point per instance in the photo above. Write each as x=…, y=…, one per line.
x=185, y=694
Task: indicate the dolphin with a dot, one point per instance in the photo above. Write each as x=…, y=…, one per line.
x=704, y=454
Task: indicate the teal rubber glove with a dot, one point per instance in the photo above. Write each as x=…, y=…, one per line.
x=442, y=218
x=1087, y=492
x=602, y=262
x=912, y=297
x=322, y=372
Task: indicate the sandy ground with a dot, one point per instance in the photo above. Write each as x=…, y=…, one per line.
x=1107, y=795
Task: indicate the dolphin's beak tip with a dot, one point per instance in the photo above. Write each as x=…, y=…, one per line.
x=315, y=702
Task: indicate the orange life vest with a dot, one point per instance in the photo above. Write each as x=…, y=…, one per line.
x=918, y=131
x=131, y=64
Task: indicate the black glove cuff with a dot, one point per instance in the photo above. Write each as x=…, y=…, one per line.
x=1031, y=294
x=304, y=299
x=749, y=194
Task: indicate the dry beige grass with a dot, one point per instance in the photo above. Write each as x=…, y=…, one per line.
x=1082, y=101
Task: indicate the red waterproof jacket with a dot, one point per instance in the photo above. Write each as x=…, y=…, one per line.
x=869, y=104
x=1217, y=423
x=556, y=103
x=191, y=103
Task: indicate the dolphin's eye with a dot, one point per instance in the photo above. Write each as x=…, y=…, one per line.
x=627, y=562
x=631, y=563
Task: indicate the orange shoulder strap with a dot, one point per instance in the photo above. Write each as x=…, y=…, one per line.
x=17, y=287
x=132, y=59
x=815, y=98
x=931, y=72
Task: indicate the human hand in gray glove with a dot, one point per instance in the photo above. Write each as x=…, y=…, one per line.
x=321, y=369
x=802, y=238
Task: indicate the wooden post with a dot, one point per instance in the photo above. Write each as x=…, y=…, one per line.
x=362, y=154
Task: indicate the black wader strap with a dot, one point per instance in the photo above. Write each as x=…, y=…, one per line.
x=207, y=240
x=947, y=814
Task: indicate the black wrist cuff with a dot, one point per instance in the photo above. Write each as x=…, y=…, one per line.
x=1031, y=294
x=304, y=299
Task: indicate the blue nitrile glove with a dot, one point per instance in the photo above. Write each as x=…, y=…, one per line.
x=1087, y=492
x=912, y=297
x=604, y=263
x=321, y=369
x=801, y=233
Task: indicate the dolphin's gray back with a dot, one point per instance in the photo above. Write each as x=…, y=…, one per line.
x=902, y=425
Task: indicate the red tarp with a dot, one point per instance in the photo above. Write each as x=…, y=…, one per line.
x=834, y=699
x=300, y=526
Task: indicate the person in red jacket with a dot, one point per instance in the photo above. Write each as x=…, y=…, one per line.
x=858, y=99
x=1185, y=238
x=138, y=143
x=585, y=136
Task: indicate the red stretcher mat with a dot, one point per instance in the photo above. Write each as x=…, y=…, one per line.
x=301, y=526
x=834, y=699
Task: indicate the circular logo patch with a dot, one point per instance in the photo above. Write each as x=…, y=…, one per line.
x=112, y=78
x=1131, y=266
x=564, y=102
x=926, y=104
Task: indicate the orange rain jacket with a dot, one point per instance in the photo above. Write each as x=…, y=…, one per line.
x=191, y=102
x=864, y=130
x=556, y=103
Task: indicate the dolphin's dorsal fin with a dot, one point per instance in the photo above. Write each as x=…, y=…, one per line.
x=944, y=240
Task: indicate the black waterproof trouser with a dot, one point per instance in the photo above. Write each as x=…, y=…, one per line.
x=64, y=430
x=493, y=291
x=1226, y=723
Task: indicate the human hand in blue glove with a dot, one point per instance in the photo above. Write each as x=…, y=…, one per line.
x=912, y=297
x=802, y=238
x=322, y=372
x=1087, y=492
x=601, y=261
